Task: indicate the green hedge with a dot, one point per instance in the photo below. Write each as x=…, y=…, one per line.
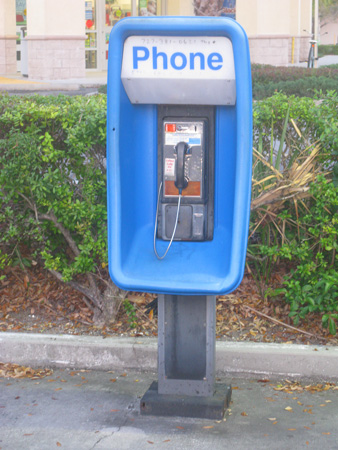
x=298, y=81
x=295, y=225
x=52, y=185
x=53, y=191
x=324, y=50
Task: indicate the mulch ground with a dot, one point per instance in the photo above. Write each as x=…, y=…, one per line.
x=32, y=300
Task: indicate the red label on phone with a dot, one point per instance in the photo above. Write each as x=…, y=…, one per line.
x=170, y=127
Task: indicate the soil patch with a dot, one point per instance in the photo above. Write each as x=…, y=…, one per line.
x=32, y=300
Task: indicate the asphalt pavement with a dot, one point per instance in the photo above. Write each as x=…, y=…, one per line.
x=84, y=410
x=92, y=400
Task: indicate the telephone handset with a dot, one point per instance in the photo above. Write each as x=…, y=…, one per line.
x=181, y=182
x=185, y=206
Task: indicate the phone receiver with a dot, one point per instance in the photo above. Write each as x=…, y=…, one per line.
x=181, y=149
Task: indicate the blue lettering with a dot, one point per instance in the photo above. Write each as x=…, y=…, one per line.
x=215, y=61
x=192, y=60
x=178, y=60
x=183, y=60
x=163, y=56
x=137, y=57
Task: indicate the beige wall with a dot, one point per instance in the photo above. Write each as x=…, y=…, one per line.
x=180, y=8
x=68, y=17
x=274, y=17
x=246, y=14
x=56, y=39
x=306, y=17
x=331, y=36
x=7, y=18
x=7, y=37
x=270, y=25
x=261, y=17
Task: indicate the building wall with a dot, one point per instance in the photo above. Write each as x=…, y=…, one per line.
x=271, y=26
x=55, y=17
x=56, y=39
x=329, y=33
x=7, y=17
x=7, y=37
x=278, y=30
x=179, y=8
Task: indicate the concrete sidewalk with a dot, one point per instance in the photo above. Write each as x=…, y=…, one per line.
x=327, y=60
x=245, y=359
x=19, y=84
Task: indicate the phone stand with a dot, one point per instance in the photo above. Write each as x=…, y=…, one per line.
x=187, y=143
x=186, y=361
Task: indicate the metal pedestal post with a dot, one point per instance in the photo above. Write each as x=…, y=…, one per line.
x=186, y=360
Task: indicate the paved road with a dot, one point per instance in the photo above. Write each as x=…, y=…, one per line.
x=328, y=60
x=324, y=61
x=81, y=410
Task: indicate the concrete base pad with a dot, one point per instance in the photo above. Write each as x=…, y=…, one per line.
x=155, y=404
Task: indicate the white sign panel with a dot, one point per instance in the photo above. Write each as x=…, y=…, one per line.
x=195, y=70
x=169, y=167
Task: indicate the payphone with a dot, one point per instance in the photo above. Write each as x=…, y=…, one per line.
x=186, y=168
x=179, y=143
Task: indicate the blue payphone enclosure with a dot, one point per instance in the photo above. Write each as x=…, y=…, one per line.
x=205, y=268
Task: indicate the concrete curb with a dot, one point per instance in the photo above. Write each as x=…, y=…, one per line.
x=245, y=359
x=35, y=88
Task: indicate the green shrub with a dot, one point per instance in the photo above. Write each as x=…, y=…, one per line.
x=312, y=286
x=315, y=120
x=294, y=219
x=324, y=50
x=298, y=81
x=53, y=193
x=52, y=187
x=265, y=73
x=306, y=87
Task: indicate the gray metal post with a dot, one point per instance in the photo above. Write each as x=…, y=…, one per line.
x=186, y=360
x=186, y=344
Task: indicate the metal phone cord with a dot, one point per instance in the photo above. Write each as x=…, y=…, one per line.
x=176, y=222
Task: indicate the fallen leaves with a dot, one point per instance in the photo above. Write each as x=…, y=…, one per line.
x=295, y=386
x=9, y=370
x=34, y=301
